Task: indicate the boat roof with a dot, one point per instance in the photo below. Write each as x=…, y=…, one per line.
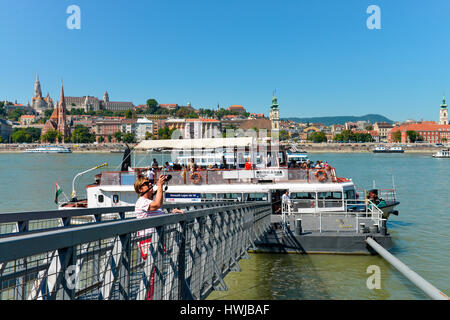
x=238, y=187
x=212, y=143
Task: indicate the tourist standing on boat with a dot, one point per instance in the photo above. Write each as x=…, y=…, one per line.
x=248, y=164
x=155, y=164
x=150, y=175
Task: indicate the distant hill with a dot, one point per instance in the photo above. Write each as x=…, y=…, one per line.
x=328, y=121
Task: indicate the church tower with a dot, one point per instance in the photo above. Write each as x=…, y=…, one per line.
x=37, y=88
x=443, y=115
x=62, y=125
x=106, y=97
x=275, y=113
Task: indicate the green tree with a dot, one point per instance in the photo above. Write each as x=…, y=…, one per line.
x=444, y=139
x=148, y=136
x=412, y=135
x=284, y=135
x=317, y=137
x=101, y=139
x=15, y=114
x=129, y=137
x=152, y=106
x=52, y=136
x=165, y=133
x=81, y=134
x=118, y=136
x=21, y=136
x=397, y=136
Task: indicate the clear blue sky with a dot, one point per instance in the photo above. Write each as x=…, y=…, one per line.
x=319, y=55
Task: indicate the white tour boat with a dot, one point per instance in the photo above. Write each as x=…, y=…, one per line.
x=445, y=153
x=49, y=149
x=310, y=190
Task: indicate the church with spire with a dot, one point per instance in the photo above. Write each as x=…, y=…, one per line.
x=38, y=102
x=275, y=113
x=57, y=121
x=443, y=114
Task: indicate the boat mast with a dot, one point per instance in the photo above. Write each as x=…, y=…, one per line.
x=74, y=193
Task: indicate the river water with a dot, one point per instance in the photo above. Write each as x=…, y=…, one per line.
x=420, y=233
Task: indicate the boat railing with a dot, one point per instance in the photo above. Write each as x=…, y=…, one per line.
x=331, y=209
x=225, y=176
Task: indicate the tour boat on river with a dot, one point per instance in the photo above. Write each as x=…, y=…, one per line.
x=445, y=153
x=314, y=193
x=49, y=149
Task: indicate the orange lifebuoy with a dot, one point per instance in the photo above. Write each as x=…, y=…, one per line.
x=323, y=175
x=195, y=177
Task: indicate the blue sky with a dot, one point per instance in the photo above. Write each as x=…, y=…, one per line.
x=319, y=55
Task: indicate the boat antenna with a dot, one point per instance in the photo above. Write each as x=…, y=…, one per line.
x=393, y=183
x=374, y=187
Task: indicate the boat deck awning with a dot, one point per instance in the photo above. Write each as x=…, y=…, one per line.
x=209, y=143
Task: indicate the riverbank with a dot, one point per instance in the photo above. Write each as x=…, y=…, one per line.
x=310, y=148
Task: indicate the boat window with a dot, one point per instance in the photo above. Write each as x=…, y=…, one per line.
x=303, y=200
x=100, y=198
x=127, y=179
x=115, y=198
x=329, y=199
x=255, y=196
x=209, y=196
x=230, y=196
x=303, y=195
x=350, y=194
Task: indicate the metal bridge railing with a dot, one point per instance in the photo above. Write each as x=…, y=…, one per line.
x=182, y=257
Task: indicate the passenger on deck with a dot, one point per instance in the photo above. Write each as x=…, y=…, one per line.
x=150, y=174
x=292, y=164
x=155, y=164
x=248, y=164
x=373, y=197
x=167, y=166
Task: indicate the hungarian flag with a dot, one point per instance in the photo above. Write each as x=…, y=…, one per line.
x=58, y=191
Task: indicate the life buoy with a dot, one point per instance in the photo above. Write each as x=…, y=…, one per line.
x=195, y=177
x=321, y=175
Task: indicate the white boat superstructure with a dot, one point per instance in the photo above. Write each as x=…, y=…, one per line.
x=49, y=149
x=445, y=153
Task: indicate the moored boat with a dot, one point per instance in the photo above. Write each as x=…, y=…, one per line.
x=315, y=193
x=445, y=153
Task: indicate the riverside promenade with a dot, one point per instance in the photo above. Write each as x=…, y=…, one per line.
x=309, y=147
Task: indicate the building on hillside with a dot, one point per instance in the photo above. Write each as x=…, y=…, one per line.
x=88, y=103
x=257, y=115
x=57, y=120
x=336, y=129
x=143, y=125
x=307, y=132
x=106, y=128
x=27, y=119
x=382, y=129
x=169, y=106
x=237, y=108
x=202, y=128
x=38, y=103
